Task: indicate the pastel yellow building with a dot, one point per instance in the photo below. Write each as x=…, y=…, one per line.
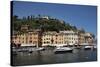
x=61, y=38
x=52, y=38
x=47, y=38
x=70, y=37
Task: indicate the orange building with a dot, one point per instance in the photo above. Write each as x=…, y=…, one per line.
x=31, y=38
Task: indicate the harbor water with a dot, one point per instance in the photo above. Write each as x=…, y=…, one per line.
x=49, y=57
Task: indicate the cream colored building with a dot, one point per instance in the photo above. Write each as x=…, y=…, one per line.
x=88, y=38
x=52, y=38
x=47, y=38
x=70, y=37
x=61, y=38
x=45, y=17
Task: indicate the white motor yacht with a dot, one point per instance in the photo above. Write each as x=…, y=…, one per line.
x=40, y=48
x=88, y=47
x=62, y=49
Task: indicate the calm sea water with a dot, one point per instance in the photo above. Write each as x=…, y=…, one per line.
x=49, y=57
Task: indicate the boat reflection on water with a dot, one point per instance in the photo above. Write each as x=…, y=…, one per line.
x=52, y=55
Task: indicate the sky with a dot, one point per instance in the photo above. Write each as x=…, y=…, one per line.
x=82, y=16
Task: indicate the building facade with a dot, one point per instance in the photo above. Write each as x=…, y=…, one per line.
x=47, y=38
x=58, y=39
x=52, y=38
x=81, y=38
x=61, y=38
x=89, y=38
x=70, y=37
x=27, y=39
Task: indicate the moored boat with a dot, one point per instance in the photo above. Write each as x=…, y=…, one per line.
x=88, y=47
x=95, y=47
x=36, y=49
x=40, y=48
x=62, y=49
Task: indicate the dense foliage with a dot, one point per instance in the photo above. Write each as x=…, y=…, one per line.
x=51, y=24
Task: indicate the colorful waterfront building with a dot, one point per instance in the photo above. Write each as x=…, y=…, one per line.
x=30, y=38
x=89, y=38
x=70, y=37
x=52, y=38
x=81, y=38
x=47, y=38
x=61, y=38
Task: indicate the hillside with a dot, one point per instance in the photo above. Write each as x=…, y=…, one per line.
x=44, y=23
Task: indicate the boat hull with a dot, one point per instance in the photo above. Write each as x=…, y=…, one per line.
x=88, y=47
x=57, y=52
